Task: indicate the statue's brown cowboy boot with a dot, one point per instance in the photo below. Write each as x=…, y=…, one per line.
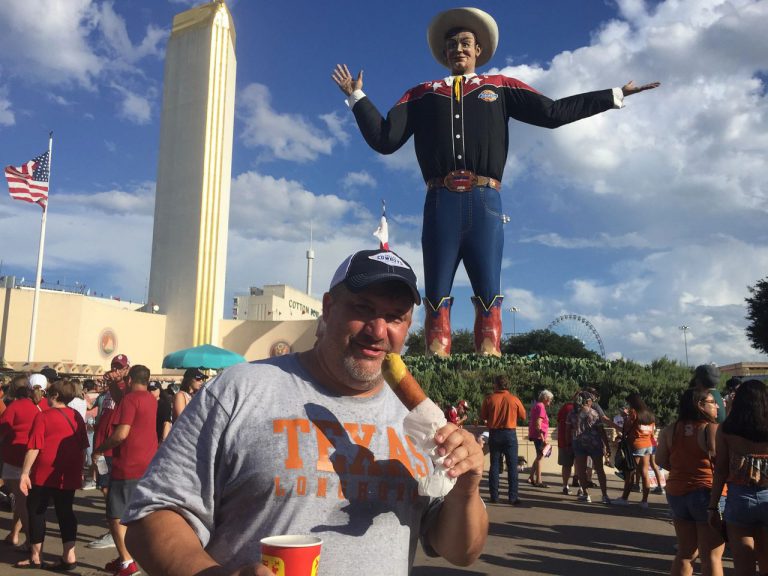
x=488, y=326
x=437, y=327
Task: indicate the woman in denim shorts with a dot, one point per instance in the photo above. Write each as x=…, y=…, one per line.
x=687, y=449
x=742, y=462
x=639, y=427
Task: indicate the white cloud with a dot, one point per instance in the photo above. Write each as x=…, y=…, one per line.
x=7, y=117
x=702, y=286
x=115, y=33
x=133, y=107
x=269, y=225
x=108, y=235
x=698, y=141
x=603, y=240
x=140, y=199
x=529, y=306
x=259, y=261
x=58, y=99
x=336, y=124
x=403, y=160
x=82, y=41
x=280, y=209
x=64, y=56
x=358, y=180
x=285, y=136
x=673, y=184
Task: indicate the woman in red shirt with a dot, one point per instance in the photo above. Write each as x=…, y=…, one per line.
x=15, y=424
x=52, y=470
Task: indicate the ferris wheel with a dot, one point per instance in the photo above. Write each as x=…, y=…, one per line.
x=580, y=328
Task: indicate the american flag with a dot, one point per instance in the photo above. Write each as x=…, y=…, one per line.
x=29, y=182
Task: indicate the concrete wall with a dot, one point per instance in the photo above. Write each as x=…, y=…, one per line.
x=70, y=329
x=255, y=339
x=276, y=302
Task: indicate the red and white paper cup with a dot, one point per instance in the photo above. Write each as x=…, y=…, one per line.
x=291, y=554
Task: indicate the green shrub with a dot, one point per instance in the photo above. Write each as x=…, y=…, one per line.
x=469, y=377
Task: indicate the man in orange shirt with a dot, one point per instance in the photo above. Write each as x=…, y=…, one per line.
x=501, y=412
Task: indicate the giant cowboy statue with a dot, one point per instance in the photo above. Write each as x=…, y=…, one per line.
x=459, y=125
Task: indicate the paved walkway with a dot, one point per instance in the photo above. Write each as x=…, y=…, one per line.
x=552, y=535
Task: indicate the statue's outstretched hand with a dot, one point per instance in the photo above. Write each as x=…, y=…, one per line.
x=345, y=81
x=629, y=88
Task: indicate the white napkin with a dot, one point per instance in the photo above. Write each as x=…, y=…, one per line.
x=421, y=424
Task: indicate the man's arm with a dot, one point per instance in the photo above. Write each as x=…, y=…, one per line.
x=460, y=530
x=629, y=88
x=527, y=105
x=343, y=78
x=163, y=543
x=722, y=463
x=112, y=380
x=522, y=414
x=165, y=431
x=383, y=135
x=179, y=404
x=609, y=421
x=117, y=438
x=662, y=450
x=25, y=483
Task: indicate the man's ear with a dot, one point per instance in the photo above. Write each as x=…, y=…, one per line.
x=327, y=304
x=478, y=49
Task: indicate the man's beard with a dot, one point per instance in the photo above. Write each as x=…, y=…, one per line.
x=364, y=375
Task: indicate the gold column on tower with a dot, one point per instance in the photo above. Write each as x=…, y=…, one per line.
x=189, y=246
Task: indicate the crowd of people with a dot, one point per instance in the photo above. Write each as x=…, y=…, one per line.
x=59, y=435
x=716, y=455
x=202, y=500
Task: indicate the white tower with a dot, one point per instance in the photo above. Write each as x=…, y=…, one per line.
x=310, y=257
x=189, y=246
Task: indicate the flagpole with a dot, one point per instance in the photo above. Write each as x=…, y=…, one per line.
x=39, y=276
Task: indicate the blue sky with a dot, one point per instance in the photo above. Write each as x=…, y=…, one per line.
x=640, y=220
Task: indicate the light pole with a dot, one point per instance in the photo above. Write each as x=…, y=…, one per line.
x=685, y=340
x=514, y=311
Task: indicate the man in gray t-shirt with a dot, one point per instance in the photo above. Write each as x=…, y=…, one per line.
x=310, y=443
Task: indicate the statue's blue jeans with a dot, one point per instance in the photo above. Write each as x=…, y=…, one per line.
x=464, y=226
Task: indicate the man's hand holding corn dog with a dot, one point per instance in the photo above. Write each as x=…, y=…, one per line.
x=463, y=517
x=463, y=455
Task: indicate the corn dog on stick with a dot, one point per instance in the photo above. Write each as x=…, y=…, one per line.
x=401, y=381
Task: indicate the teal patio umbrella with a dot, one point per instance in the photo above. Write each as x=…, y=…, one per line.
x=205, y=356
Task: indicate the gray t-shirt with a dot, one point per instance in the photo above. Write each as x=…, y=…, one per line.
x=264, y=450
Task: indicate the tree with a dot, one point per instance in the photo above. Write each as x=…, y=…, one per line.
x=547, y=342
x=757, y=314
x=534, y=342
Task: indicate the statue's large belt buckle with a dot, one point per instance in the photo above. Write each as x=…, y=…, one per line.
x=460, y=180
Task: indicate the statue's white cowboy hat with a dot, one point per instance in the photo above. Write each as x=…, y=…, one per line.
x=481, y=23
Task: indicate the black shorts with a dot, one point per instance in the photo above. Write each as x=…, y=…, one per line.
x=565, y=457
x=119, y=496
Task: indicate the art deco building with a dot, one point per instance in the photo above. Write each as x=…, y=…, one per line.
x=189, y=246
